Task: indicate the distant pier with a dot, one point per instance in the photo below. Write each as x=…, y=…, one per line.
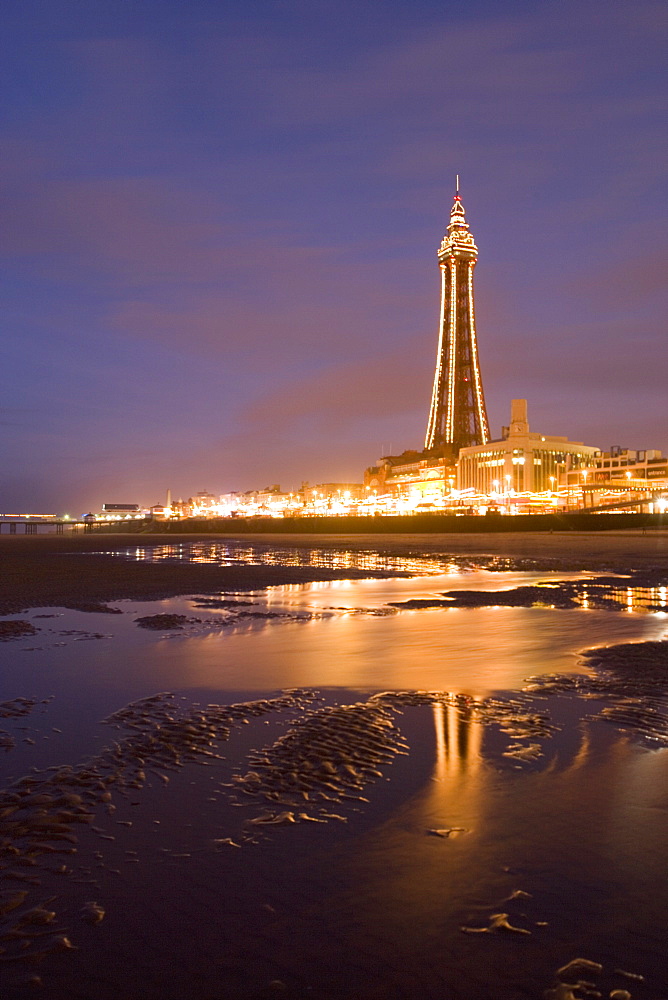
x=27, y=524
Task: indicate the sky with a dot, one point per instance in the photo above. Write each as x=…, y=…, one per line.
x=220, y=221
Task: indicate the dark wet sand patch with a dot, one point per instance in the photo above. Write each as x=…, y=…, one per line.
x=92, y=607
x=52, y=571
x=601, y=593
x=188, y=626
x=16, y=629
x=16, y=707
x=165, y=622
x=632, y=679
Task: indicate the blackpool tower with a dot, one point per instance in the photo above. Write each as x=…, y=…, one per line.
x=457, y=418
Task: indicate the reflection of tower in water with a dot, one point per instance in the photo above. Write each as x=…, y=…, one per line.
x=458, y=742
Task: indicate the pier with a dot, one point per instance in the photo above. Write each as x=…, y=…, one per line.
x=29, y=524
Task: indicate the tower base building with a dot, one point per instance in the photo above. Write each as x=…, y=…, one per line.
x=522, y=461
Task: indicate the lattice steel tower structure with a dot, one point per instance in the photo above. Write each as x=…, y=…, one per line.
x=457, y=418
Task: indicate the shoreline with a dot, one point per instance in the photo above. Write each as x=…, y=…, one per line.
x=58, y=570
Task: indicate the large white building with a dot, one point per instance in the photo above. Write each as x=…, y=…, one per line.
x=521, y=461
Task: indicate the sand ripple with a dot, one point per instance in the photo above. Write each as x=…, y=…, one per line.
x=41, y=812
x=632, y=678
x=328, y=756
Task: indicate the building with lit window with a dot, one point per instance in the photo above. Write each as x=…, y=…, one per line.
x=412, y=477
x=619, y=479
x=522, y=461
x=120, y=511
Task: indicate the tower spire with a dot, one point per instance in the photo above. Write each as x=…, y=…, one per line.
x=458, y=417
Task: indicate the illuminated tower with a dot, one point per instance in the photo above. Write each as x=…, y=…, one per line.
x=457, y=418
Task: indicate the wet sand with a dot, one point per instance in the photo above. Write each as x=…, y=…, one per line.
x=411, y=845
x=60, y=571
x=52, y=570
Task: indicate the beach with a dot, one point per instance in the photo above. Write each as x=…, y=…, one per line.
x=51, y=570
x=330, y=768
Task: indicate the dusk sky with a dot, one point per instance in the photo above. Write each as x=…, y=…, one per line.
x=221, y=217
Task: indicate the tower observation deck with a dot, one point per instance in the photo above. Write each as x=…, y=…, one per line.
x=457, y=418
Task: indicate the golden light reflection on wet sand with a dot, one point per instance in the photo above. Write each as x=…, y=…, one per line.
x=233, y=552
x=458, y=743
x=580, y=821
x=470, y=650
x=407, y=884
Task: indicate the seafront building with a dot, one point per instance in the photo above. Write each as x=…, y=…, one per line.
x=118, y=512
x=519, y=468
x=332, y=498
x=618, y=479
x=413, y=479
x=521, y=461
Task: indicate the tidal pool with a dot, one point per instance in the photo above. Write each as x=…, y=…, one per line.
x=375, y=847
